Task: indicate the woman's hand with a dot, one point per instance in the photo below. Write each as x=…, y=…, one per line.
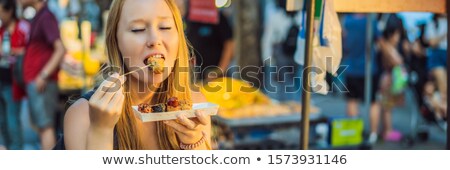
x=105, y=106
x=190, y=131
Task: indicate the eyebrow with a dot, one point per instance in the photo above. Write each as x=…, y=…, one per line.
x=137, y=21
x=142, y=20
x=164, y=17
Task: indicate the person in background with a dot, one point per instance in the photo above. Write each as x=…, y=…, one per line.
x=354, y=52
x=283, y=83
x=91, y=12
x=64, y=9
x=213, y=44
x=13, y=35
x=436, y=37
x=393, y=47
x=43, y=56
x=418, y=65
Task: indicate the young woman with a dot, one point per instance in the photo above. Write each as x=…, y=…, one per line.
x=103, y=119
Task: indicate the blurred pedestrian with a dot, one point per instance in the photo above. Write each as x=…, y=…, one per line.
x=43, y=56
x=354, y=53
x=418, y=65
x=14, y=35
x=436, y=36
x=278, y=45
x=213, y=45
x=393, y=46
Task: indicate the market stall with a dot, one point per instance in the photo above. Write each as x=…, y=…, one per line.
x=81, y=63
x=355, y=6
x=82, y=60
x=248, y=119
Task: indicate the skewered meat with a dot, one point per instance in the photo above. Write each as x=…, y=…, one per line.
x=158, y=108
x=156, y=64
x=172, y=104
x=144, y=108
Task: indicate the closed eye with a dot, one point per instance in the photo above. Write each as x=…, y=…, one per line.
x=137, y=30
x=166, y=28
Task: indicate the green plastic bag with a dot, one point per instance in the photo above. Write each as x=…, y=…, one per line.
x=346, y=132
x=399, y=80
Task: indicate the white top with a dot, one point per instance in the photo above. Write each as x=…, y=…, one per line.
x=276, y=29
x=432, y=32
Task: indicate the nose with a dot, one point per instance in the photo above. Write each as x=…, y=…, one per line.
x=153, y=38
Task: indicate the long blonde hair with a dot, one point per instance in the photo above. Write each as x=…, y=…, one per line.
x=127, y=132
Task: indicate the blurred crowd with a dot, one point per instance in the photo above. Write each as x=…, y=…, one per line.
x=32, y=52
x=414, y=57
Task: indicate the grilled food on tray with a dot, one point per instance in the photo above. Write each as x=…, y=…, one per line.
x=173, y=104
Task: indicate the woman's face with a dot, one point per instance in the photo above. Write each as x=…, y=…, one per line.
x=147, y=29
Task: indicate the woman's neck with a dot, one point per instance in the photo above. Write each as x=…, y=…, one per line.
x=140, y=92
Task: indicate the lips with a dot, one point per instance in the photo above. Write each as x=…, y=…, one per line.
x=154, y=56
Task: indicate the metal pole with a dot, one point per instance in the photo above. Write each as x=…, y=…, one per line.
x=369, y=43
x=448, y=80
x=306, y=93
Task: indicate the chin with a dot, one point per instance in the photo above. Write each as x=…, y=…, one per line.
x=149, y=78
x=155, y=78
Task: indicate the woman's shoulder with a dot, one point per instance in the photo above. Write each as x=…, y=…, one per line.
x=76, y=124
x=78, y=111
x=79, y=101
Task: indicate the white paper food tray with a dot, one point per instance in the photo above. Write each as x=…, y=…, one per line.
x=208, y=108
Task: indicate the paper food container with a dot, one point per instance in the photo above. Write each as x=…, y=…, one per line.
x=208, y=108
